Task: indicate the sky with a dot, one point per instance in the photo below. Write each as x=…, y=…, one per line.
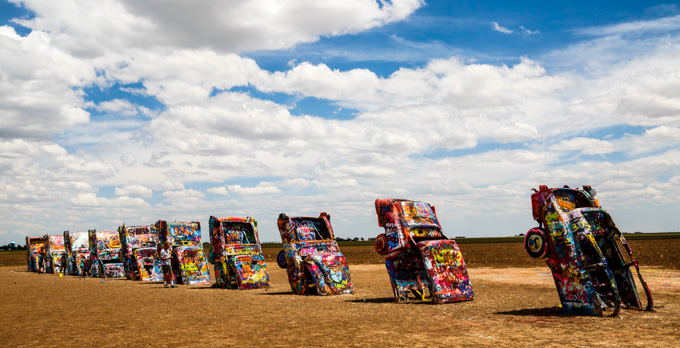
x=120, y=111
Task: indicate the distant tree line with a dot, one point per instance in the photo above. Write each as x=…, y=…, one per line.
x=12, y=246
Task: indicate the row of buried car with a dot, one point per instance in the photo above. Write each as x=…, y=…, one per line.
x=577, y=238
x=130, y=252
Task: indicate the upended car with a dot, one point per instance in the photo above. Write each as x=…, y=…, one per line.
x=237, y=254
x=35, y=253
x=54, y=249
x=189, y=264
x=77, y=247
x=311, y=257
x=582, y=246
x=418, y=256
x=140, y=252
x=105, y=254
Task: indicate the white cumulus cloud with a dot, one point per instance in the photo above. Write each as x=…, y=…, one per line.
x=587, y=146
x=133, y=191
x=261, y=189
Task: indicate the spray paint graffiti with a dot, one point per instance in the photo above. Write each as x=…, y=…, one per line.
x=54, y=249
x=183, y=232
x=189, y=263
x=77, y=247
x=311, y=256
x=140, y=252
x=192, y=265
x=105, y=254
x=417, y=254
x=35, y=253
x=237, y=254
x=148, y=264
x=418, y=214
x=578, y=239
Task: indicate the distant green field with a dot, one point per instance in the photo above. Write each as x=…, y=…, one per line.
x=656, y=235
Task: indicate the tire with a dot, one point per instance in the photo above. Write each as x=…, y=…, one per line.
x=281, y=259
x=234, y=279
x=381, y=244
x=536, y=243
x=310, y=284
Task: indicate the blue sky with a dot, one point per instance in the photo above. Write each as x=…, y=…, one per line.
x=119, y=112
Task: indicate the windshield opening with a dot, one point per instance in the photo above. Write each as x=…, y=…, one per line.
x=568, y=199
x=310, y=229
x=425, y=232
x=238, y=232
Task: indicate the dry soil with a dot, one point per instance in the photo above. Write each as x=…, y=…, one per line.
x=512, y=307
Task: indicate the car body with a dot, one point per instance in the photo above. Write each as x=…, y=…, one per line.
x=418, y=255
x=237, y=254
x=105, y=254
x=54, y=249
x=311, y=256
x=35, y=252
x=140, y=252
x=578, y=239
x=189, y=264
x=77, y=247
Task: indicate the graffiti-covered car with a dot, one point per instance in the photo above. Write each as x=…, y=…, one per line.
x=140, y=252
x=105, y=254
x=237, y=254
x=77, y=246
x=580, y=243
x=418, y=255
x=35, y=252
x=189, y=264
x=311, y=256
x=54, y=249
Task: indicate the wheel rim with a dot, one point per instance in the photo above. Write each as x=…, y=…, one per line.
x=535, y=242
x=381, y=244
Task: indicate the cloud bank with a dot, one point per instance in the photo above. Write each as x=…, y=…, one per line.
x=471, y=138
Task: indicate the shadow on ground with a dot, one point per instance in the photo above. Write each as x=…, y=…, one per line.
x=538, y=312
x=279, y=293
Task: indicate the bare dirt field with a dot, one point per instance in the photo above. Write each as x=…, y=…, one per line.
x=513, y=307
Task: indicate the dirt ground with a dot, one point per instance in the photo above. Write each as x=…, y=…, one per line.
x=512, y=307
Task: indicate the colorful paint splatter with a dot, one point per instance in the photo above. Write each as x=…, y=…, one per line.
x=237, y=254
x=313, y=260
x=579, y=240
x=417, y=254
x=189, y=263
x=54, y=249
x=105, y=254
x=77, y=247
x=35, y=252
x=193, y=268
x=140, y=252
